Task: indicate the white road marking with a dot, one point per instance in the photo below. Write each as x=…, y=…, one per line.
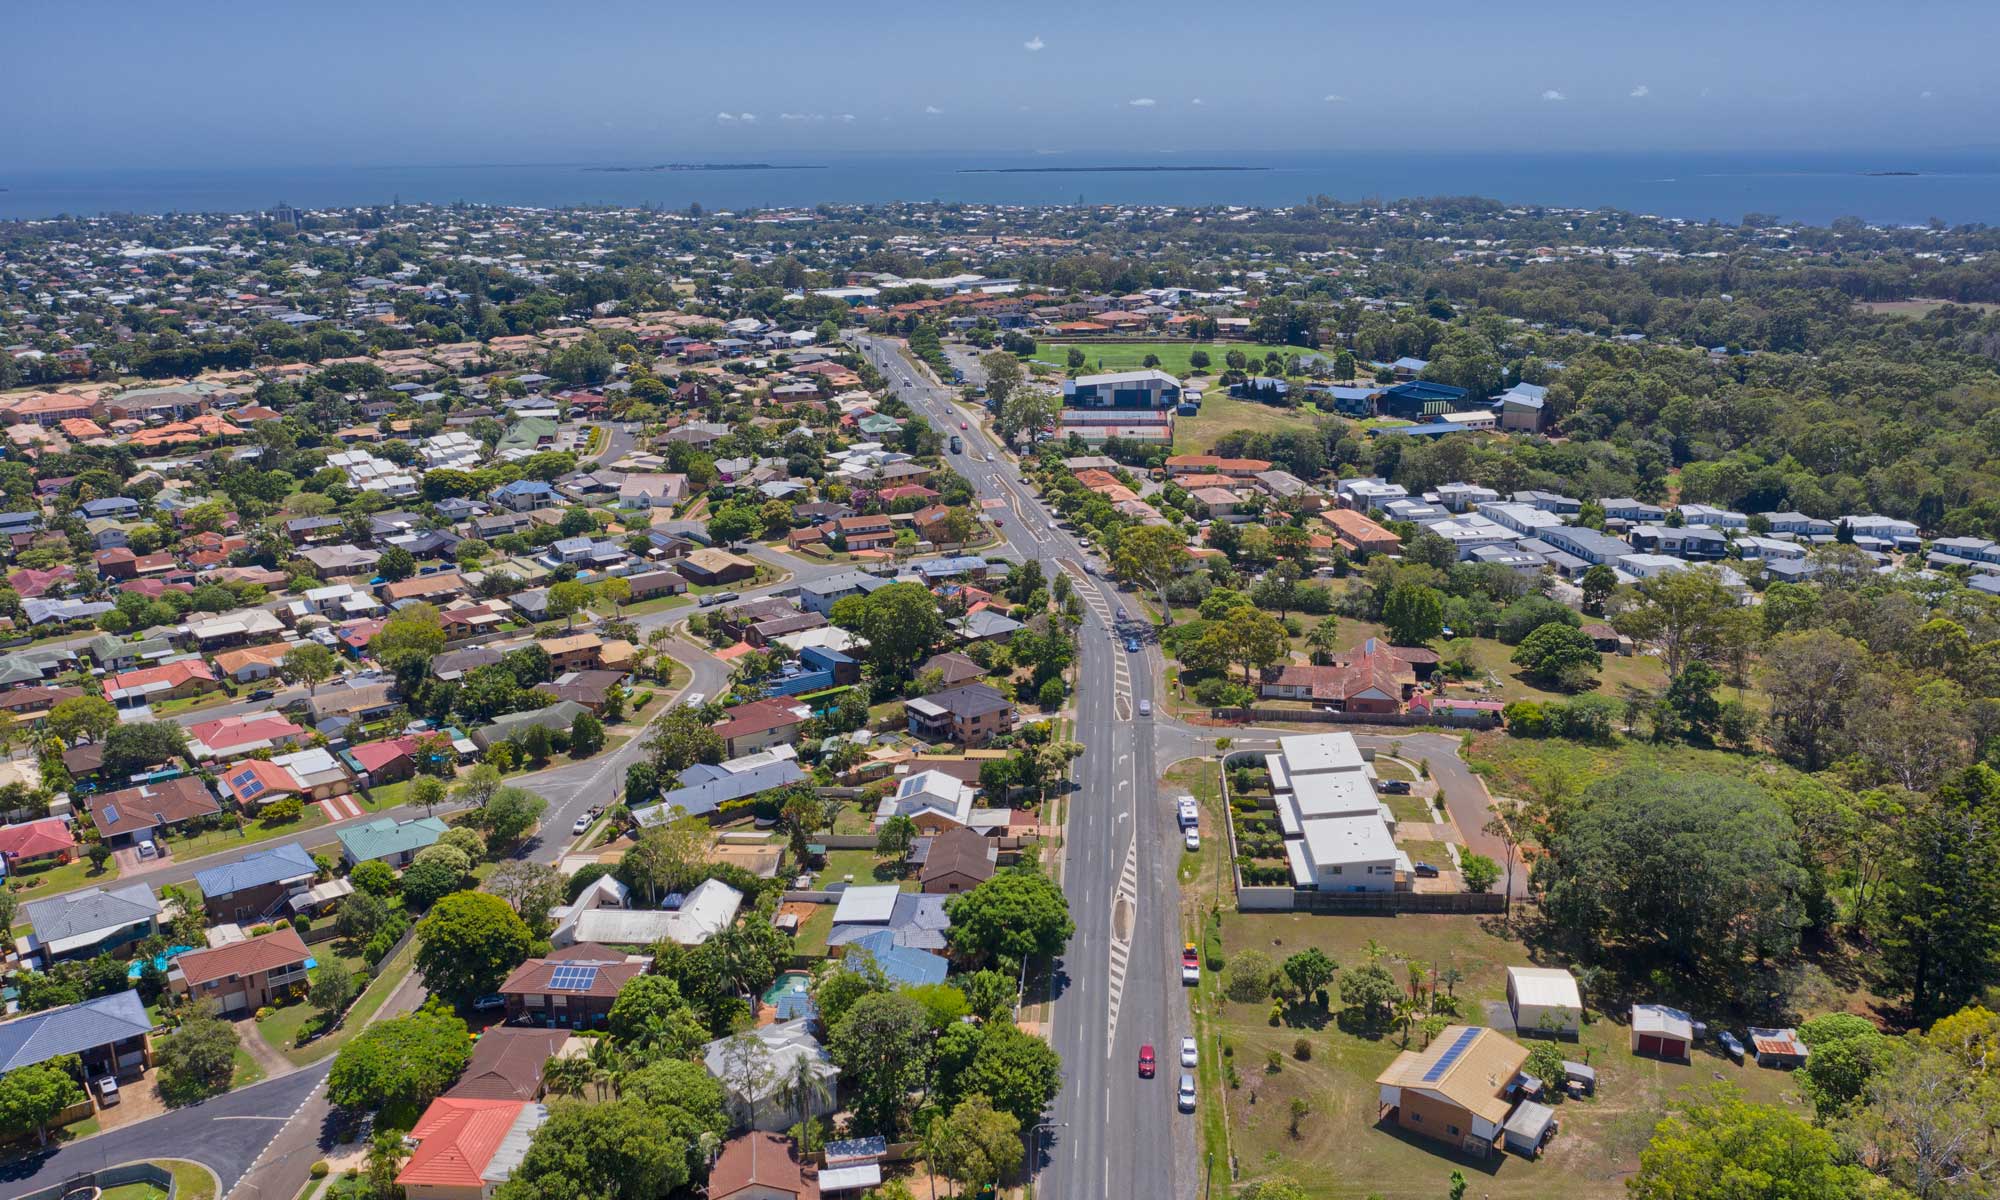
x=1120, y=955
x=249, y=1118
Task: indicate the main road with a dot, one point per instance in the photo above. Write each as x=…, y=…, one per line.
x=1117, y=987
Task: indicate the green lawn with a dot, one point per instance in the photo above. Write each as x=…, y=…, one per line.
x=217, y=841
x=656, y=604
x=1223, y=414
x=1173, y=356
x=33, y=881
x=812, y=935
x=1524, y=766
x=864, y=866
x=247, y=1070
x=1340, y=1150
x=281, y=1029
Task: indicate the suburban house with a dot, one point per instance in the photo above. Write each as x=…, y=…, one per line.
x=760, y=1087
x=465, y=1149
x=247, y=975
x=573, y=988
x=255, y=886
x=933, y=800
x=1459, y=1090
x=971, y=714
x=820, y=595
x=389, y=840
x=705, y=787
x=867, y=532
x=132, y=815
x=1372, y=678
x=151, y=685
x=910, y=919
x=761, y=1166
x=1544, y=1000
x=708, y=567
x=958, y=861
x=508, y=1064
x=109, y=1035
x=32, y=841
x=1356, y=533
x=748, y=728
x=90, y=921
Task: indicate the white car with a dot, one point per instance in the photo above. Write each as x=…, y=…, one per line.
x=582, y=825
x=1187, y=1093
x=1187, y=1052
x=1193, y=839
x=695, y=700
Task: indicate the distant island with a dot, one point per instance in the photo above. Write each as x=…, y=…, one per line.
x=1886, y=174
x=714, y=167
x=1093, y=170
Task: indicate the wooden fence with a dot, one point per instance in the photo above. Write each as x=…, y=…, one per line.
x=1322, y=716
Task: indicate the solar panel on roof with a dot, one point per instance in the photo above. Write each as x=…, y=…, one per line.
x=111, y=814
x=573, y=978
x=1452, y=1053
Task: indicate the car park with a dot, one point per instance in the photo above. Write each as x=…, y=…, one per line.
x=1187, y=1052
x=1146, y=1066
x=1185, y=1098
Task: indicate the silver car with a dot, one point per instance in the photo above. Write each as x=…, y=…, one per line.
x=1186, y=1095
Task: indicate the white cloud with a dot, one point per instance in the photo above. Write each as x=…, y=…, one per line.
x=845, y=117
x=1641, y=92
x=932, y=110
x=746, y=116
x=725, y=116
x=1033, y=44
x=1196, y=100
x=1925, y=95
x=1333, y=98
x=1142, y=102
x=794, y=117
x=1553, y=94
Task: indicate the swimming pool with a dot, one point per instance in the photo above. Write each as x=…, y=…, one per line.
x=792, y=983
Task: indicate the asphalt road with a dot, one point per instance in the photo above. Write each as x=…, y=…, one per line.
x=1112, y=1134
x=227, y=1134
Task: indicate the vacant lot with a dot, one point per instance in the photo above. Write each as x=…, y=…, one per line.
x=1921, y=308
x=1520, y=766
x=1340, y=1150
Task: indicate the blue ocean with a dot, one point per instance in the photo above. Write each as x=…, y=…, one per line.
x=1890, y=187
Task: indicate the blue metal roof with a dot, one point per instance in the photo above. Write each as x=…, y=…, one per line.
x=73, y=1030
x=255, y=870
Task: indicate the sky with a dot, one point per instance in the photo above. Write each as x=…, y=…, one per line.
x=107, y=84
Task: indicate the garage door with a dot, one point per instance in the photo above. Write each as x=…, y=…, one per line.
x=1649, y=1043
x=235, y=1002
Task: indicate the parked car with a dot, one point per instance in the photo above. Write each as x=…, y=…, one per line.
x=1426, y=870
x=1190, y=965
x=1187, y=1052
x=1146, y=1067
x=1729, y=1044
x=1393, y=787
x=148, y=849
x=262, y=694
x=1186, y=1097
x=107, y=1092
x=1193, y=841
x=582, y=825
x=695, y=700
x=491, y=1002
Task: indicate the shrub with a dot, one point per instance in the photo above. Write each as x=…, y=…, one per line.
x=319, y=1169
x=1249, y=978
x=278, y=812
x=1274, y=1062
x=1302, y=1050
x=264, y=1013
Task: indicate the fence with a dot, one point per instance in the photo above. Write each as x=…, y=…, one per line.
x=108, y=1178
x=1399, y=902
x=1322, y=716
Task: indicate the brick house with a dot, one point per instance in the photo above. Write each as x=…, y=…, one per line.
x=573, y=988
x=971, y=715
x=245, y=976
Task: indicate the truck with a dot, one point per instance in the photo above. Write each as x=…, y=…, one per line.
x=1189, y=815
x=957, y=444
x=1190, y=966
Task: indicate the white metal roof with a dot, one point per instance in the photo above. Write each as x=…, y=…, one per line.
x=1545, y=987
x=870, y=905
x=1334, y=794
x=1340, y=841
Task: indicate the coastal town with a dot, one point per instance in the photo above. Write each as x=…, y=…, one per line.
x=947, y=700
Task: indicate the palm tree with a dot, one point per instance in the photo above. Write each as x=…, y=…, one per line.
x=607, y=1062
x=1405, y=1014
x=566, y=1076
x=1373, y=951
x=806, y=1090
x=1450, y=978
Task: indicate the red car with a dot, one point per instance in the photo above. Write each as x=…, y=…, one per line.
x=961, y=425
x=1145, y=1062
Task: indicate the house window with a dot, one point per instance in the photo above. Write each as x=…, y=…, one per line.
x=1416, y=1118
x=1452, y=1130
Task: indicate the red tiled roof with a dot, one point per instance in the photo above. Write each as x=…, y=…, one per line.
x=280, y=948
x=32, y=839
x=456, y=1139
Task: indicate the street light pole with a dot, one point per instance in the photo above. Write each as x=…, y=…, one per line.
x=1035, y=1142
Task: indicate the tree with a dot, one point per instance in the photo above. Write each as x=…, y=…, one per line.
x=1016, y=914
x=1545, y=1062
x=1153, y=555
x=404, y=1060
x=361, y=914
x=1309, y=972
x=1027, y=411
x=1687, y=614
x=1003, y=375
x=1252, y=639
x=1939, y=917
x=411, y=637
x=901, y=622
x=586, y=736
x=468, y=943
x=882, y=1047
x=1301, y=1108
x=427, y=881
x=1559, y=655
x=34, y=1095
x=802, y=813
x=1701, y=869
x=309, y=663
x=135, y=747
x=1928, y=1119
x=645, y=999
x=198, y=1059
x=1845, y=1051
x=1597, y=585
x=531, y=889
x=680, y=739
x=1814, y=679
x=1720, y=1146
x=568, y=599
x=1250, y=977
x=980, y=1145
x=396, y=563
x=334, y=987
x=1479, y=872
x=899, y=831
x=374, y=877
x=1369, y=989
x=83, y=716
x=1019, y=1072
x=1414, y=614
x=511, y=813
x=1691, y=695
x=618, y=1149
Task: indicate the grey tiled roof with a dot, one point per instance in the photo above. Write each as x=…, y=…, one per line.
x=253, y=870
x=91, y=910
x=86, y=1026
